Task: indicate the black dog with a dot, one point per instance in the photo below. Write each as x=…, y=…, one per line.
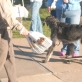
x=67, y=33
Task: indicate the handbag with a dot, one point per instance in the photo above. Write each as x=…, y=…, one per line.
x=38, y=42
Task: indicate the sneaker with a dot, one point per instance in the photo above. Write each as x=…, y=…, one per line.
x=61, y=53
x=75, y=55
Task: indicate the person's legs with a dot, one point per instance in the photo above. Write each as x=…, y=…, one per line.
x=75, y=19
x=59, y=16
x=3, y=47
x=7, y=55
x=72, y=17
x=39, y=24
x=10, y=60
x=33, y=17
x=36, y=24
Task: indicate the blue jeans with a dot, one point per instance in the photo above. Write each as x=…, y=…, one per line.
x=36, y=24
x=71, y=17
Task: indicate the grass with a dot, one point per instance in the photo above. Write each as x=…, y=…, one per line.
x=27, y=22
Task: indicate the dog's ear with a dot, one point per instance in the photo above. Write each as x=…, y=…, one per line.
x=44, y=22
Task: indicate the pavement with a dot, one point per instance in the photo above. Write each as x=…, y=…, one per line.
x=30, y=68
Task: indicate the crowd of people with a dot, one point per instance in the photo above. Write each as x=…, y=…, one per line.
x=67, y=11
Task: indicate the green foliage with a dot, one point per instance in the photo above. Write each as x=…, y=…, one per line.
x=27, y=22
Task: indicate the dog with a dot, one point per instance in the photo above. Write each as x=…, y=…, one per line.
x=64, y=32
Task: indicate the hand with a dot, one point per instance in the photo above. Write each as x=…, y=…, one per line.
x=24, y=32
x=49, y=9
x=65, y=1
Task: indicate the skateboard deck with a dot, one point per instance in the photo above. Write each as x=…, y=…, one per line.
x=71, y=59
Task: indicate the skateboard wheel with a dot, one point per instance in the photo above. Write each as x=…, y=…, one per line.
x=68, y=62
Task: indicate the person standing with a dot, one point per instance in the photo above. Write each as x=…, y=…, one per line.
x=68, y=11
x=36, y=24
x=8, y=22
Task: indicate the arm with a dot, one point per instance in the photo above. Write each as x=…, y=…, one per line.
x=7, y=14
x=49, y=3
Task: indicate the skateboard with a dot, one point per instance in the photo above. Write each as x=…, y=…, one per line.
x=69, y=59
